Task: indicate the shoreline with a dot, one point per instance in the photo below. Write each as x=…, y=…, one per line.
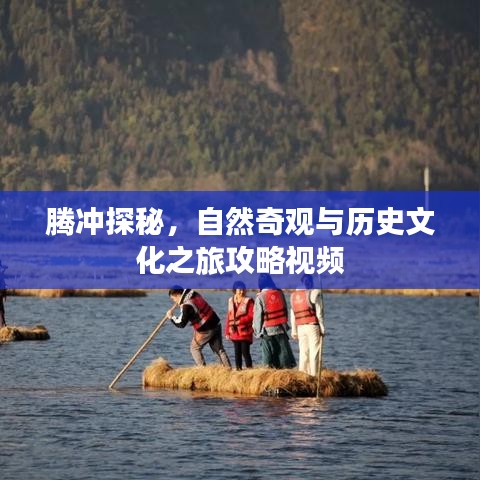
x=421, y=292
x=62, y=293
x=104, y=293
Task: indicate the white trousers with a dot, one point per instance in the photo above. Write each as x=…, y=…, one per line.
x=309, y=345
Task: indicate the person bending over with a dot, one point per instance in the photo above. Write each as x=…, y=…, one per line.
x=195, y=310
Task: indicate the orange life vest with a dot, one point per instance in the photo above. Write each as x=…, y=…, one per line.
x=302, y=307
x=203, y=310
x=238, y=321
x=275, y=308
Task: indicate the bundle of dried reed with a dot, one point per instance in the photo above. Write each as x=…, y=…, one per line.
x=264, y=381
x=13, y=333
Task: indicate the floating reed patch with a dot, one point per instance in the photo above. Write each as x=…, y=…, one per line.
x=14, y=334
x=264, y=381
x=51, y=293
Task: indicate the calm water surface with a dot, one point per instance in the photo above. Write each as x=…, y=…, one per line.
x=59, y=421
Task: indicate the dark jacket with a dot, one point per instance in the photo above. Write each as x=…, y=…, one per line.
x=189, y=315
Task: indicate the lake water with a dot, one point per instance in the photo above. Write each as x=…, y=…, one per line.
x=58, y=420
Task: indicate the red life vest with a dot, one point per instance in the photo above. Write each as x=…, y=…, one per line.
x=239, y=322
x=302, y=307
x=275, y=308
x=203, y=310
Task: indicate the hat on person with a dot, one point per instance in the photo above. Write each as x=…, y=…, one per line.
x=307, y=280
x=265, y=281
x=175, y=289
x=238, y=285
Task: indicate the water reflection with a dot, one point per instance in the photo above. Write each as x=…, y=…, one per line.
x=56, y=404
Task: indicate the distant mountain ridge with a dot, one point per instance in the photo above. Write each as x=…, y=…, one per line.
x=278, y=94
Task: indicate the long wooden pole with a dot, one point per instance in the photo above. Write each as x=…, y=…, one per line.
x=319, y=376
x=139, y=351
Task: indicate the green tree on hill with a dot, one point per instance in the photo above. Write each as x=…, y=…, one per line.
x=278, y=94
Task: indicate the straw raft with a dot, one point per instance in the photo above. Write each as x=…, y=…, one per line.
x=14, y=333
x=264, y=381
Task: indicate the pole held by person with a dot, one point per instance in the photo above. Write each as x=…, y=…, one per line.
x=141, y=349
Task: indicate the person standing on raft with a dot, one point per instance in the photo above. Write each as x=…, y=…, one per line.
x=239, y=327
x=270, y=323
x=3, y=295
x=205, y=322
x=307, y=325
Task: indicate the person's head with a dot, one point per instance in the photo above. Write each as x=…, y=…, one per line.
x=239, y=288
x=307, y=281
x=175, y=293
x=265, y=281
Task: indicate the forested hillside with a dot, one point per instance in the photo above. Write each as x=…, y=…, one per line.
x=238, y=94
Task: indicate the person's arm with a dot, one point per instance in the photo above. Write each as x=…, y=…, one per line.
x=294, y=324
x=227, y=326
x=250, y=308
x=317, y=299
x=181, y=320
x=247, y=319
x=287, y=326
x=258, y=317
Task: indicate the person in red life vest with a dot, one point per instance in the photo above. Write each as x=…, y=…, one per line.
x=206, y=325
x=270, y=323
x=307, y=325
x=239, y=327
